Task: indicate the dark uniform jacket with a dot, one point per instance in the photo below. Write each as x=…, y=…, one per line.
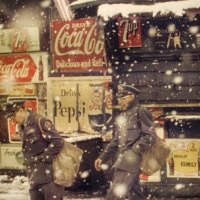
x=134, y=133
x=39, y=148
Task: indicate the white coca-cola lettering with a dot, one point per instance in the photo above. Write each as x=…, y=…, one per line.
x=92, y=44
x=76, y=39
x=78, y=42
x=19, y=69
x=64, y=39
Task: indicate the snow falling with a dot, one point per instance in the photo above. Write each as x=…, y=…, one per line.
x=17, y=187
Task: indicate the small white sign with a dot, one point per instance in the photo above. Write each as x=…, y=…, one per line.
x=184, y=159
x=11, y=156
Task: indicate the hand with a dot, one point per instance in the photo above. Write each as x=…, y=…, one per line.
x=97, y=164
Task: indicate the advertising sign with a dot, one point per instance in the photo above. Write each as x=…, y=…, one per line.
x=23, y=68
x=171, y=34
x=18, y=90
x=184, y=160
x=19, y=40
x=4, y=90
x=82, y=105
x=22, y=90
x=31, y=103
x=130, y=31
x=78, y=46
x=11, y=156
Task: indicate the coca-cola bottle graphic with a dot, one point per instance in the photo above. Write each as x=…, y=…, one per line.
x=40, y=69
x=171, y=165
x=199, y=162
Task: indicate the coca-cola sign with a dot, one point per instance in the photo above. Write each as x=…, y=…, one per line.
x=20, y=68
x=77, y=45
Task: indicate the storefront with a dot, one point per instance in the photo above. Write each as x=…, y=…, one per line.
x=70, y=86
x=157, y=51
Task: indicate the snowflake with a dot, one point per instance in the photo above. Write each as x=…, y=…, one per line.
x=85, y=174
x=120, y=190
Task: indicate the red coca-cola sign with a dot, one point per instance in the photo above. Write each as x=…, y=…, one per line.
x=77, y=45
x=19, y=68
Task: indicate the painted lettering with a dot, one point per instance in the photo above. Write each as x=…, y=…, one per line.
x=8, y=152
x=68, y=112
x=130, y=26
x=69, y=93
x=77, y=42
x=19, y=69
x=188, y=164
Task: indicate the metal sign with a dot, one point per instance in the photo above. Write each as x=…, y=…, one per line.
x=130, y=31
x=184, y=161
x=20, y=68
x=31, y=103
x=19, y=40
x=78, y=46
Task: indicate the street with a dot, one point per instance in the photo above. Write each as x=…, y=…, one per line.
x=17, y=189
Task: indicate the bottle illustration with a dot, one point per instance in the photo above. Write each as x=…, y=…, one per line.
x=98, y=117
x=40, y=69
x=171, y=165
x=199, y=162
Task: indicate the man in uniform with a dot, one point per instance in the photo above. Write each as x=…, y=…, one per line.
x=39, y=148
x=133, y=134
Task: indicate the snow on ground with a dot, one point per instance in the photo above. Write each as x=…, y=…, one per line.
x=17, y=189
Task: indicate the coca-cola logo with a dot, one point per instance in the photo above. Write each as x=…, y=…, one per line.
x=78, y=38
x=20, y=69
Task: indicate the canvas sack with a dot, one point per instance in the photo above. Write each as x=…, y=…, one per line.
x=66, y=164
x=155, y=157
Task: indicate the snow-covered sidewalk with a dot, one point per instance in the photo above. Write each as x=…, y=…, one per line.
x=17, y=189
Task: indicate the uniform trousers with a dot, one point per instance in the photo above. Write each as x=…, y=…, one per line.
x=47, y=191
x=125, y=186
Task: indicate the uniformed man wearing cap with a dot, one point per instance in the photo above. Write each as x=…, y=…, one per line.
x=133, y=134
x=39, y=148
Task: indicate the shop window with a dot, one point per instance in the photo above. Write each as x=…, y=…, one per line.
x=183, y=128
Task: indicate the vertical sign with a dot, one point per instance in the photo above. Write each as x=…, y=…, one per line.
x=129, y=31
x=29, y=104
